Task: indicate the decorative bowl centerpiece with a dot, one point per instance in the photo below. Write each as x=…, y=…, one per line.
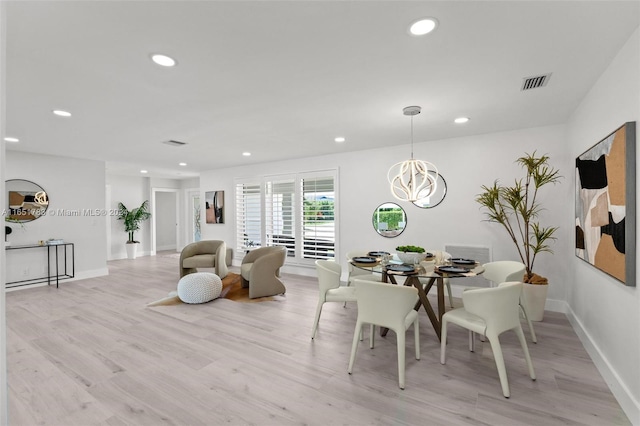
x=410, y=254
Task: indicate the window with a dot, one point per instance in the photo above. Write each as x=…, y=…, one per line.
x=296, y=211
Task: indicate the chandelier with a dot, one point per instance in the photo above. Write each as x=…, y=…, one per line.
x=412, y=180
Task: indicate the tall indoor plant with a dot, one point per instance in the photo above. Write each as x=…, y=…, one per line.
x=132, y=219
x=517, y=209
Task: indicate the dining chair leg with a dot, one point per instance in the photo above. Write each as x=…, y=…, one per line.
x=472, y=341
x=525, y=348
x=401, y=340
x=372, y=332
x=317, y=320
x=534, y=339
x=416, y=336
x=499, y=358
x=354, y=346
x=443, y=342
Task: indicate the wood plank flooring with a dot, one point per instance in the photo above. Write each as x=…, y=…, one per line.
x=91, y=353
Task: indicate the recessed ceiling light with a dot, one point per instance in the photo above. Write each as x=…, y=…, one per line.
x=246, y=154
x=163, y=60
x=144, y=171
x=10, y=139
x=340, y=139
x=182, y=164
x=423, y=26
x=461, y=120
x=61, y=113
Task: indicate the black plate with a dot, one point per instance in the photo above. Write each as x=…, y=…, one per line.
x=461, y=261
x=400, y=268
x=452, y=269
x=364, y=259
x=428, y=255
x=378, y=253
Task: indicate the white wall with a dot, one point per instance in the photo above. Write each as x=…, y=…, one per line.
x=74, y=187
x=130, y=191
x=603, y=309
x=466, y=163
x=166, y=231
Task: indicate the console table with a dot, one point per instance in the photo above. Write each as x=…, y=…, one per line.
x=66, y=251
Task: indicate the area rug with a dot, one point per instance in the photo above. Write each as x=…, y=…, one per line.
x=231, y=289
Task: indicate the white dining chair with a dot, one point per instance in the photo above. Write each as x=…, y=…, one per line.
x=442, y=255
x=329, y=273
x=355, y=272
x=490, y=312
x=504, y=271
x=390, y=306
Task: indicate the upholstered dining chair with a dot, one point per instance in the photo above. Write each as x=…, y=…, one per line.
x=507, y=270
x=390, y=306
x=354, y=272
x=329, y=273
x=204, y=254
x=432, y=261
x=490, y=312
x=260, y=271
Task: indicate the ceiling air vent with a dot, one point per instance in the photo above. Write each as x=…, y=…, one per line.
x=535, y=82
x=174, y=143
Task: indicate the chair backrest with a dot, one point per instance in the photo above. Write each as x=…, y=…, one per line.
x=204, y=247
x=352, y=269
x=328, y=275
x=497, y=306
x=504, y=270
x=384, y=304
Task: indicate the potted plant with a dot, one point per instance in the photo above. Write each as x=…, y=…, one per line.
x=132, y=219
x=517, y=209
x=410, y=254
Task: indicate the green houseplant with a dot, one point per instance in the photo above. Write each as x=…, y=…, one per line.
x=517, y=209
x=132, y=219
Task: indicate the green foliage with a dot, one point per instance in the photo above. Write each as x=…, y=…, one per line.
x=133, y=218
x=410, y=249
x=391, y=217
x=516, y=208
x=318, y=210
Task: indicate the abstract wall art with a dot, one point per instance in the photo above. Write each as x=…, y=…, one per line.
x=214, y=206
x=606, y=205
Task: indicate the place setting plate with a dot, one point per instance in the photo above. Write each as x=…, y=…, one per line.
x=453, y=269
x=378, y=253
x=400, y=268
x=463, y=261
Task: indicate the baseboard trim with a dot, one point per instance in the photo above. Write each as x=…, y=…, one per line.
x=621, y=392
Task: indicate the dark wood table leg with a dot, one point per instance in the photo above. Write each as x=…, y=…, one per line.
x=424, y=300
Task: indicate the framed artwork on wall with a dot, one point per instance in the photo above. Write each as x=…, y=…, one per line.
x=214, y=206
x=605, y=217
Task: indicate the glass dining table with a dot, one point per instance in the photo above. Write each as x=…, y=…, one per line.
x=423, y=277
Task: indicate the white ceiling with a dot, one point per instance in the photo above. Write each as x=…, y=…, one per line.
x=282, y=79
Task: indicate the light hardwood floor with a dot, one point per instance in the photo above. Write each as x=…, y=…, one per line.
x=91, y=353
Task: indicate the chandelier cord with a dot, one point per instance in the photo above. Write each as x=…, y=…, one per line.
x=412, y=137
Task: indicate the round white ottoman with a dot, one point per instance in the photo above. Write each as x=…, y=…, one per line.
x=199, y=287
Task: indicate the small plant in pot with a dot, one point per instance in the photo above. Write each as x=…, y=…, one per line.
x=411, y=254
x=517, y=209
x=132, y=219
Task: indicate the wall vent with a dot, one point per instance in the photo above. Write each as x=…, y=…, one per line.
x=481, y=254
x=535, y=82
x=174, y=143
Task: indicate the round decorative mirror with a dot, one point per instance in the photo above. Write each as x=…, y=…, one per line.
x=27, y=201
x=437, y=197
x=389, y=220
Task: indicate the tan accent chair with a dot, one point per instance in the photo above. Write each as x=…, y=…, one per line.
x=204, y=254
x=260, y=271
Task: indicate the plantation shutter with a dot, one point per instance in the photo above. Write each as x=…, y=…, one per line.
x=248, y=215
x=318, y=217
x=280, y=223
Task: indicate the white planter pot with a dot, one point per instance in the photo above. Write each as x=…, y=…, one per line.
x=410, y=258
x=535, y=296
x=131, y=250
